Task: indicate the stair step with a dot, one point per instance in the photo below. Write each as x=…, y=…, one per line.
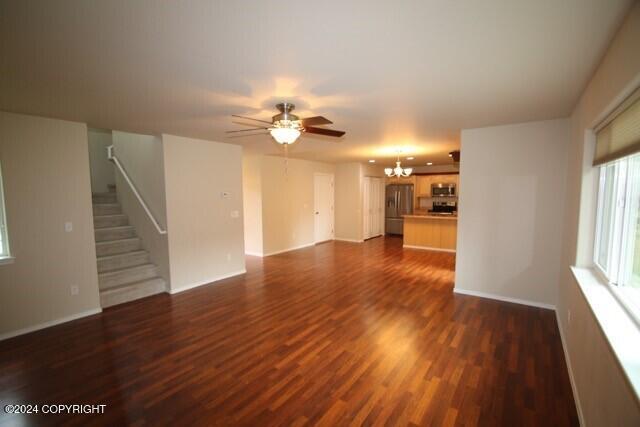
x=123, y=276
x=106, y=209
x=115, y=233
x=131, y=291
x=104, y=221
x=109, y=197
x=128, y=259
x=114, y=247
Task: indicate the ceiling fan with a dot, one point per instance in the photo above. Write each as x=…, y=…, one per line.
x=285, y=127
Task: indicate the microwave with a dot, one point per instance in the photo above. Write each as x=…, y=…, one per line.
x=445, y=189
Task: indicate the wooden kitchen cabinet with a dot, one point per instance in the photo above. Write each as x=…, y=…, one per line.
x=423, y=185
x=430, y=232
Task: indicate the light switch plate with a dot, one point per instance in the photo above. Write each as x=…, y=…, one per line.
x=68, y=226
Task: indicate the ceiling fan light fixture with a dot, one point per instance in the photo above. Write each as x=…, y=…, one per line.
x=285, y=135
x=286, y=128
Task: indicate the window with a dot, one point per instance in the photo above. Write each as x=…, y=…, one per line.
x=4, y=238
x=617, y=246
x=617, y=242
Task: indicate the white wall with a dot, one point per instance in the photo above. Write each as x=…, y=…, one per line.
x=603, y=392
x=142, y=156
x=45, y=166
x=279, y=203
x=287, y=202
x=252, y=204
x=453, y=167
x=101, y=169
x=511, y=210
x=206, y=242
x=373, y=170
x=348, y=184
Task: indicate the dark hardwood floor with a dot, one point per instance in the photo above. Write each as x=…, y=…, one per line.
x=336, y=334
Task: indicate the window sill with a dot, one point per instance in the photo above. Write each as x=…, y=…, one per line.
x=7, y=260
x=619, y=326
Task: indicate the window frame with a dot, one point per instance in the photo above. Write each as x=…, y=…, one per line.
x=609, y=272
x=615, y=274
x=5, y=255
x=615, y=270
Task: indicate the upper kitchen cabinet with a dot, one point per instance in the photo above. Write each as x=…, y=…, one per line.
x=424, y=182
x=423, y=185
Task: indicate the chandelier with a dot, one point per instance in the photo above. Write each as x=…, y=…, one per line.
x=398, y=170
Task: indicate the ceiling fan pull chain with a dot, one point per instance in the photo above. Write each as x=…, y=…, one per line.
x=286, y=162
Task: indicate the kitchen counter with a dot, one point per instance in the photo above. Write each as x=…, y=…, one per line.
x=433, y=232
x=429, y=216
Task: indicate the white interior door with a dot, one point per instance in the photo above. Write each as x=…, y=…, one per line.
x=366, y=208
x=372, y=207
x=381, y=206
x=375, y=207
x=323, y=207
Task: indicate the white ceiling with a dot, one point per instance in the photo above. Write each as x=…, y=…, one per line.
x=390, y=73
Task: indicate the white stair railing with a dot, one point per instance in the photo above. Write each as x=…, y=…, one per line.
x=115, y=160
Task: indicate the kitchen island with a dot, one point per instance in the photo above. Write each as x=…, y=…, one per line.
x=435, y=232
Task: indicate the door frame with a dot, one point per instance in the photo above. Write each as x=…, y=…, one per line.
x=332, y=208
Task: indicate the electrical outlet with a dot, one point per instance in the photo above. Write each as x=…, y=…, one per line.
x=68, y=227
x=235, y=214
x=75, y=290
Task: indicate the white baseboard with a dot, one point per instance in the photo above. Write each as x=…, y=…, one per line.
x=50, y=323
x=348, y=240
x=503, y=298
x=206, y=282
x=576, y=399
x=427, y=248
x=295, y=248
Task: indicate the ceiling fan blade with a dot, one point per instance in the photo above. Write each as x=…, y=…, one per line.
x=327, y=132
x=314, y=121
x=248, y=134
x=245, y=130
x=249, y=118
x=255, y=125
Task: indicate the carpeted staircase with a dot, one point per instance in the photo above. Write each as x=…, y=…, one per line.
x=125, y=272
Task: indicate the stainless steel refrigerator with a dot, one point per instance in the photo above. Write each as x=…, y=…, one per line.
x=398, y=202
